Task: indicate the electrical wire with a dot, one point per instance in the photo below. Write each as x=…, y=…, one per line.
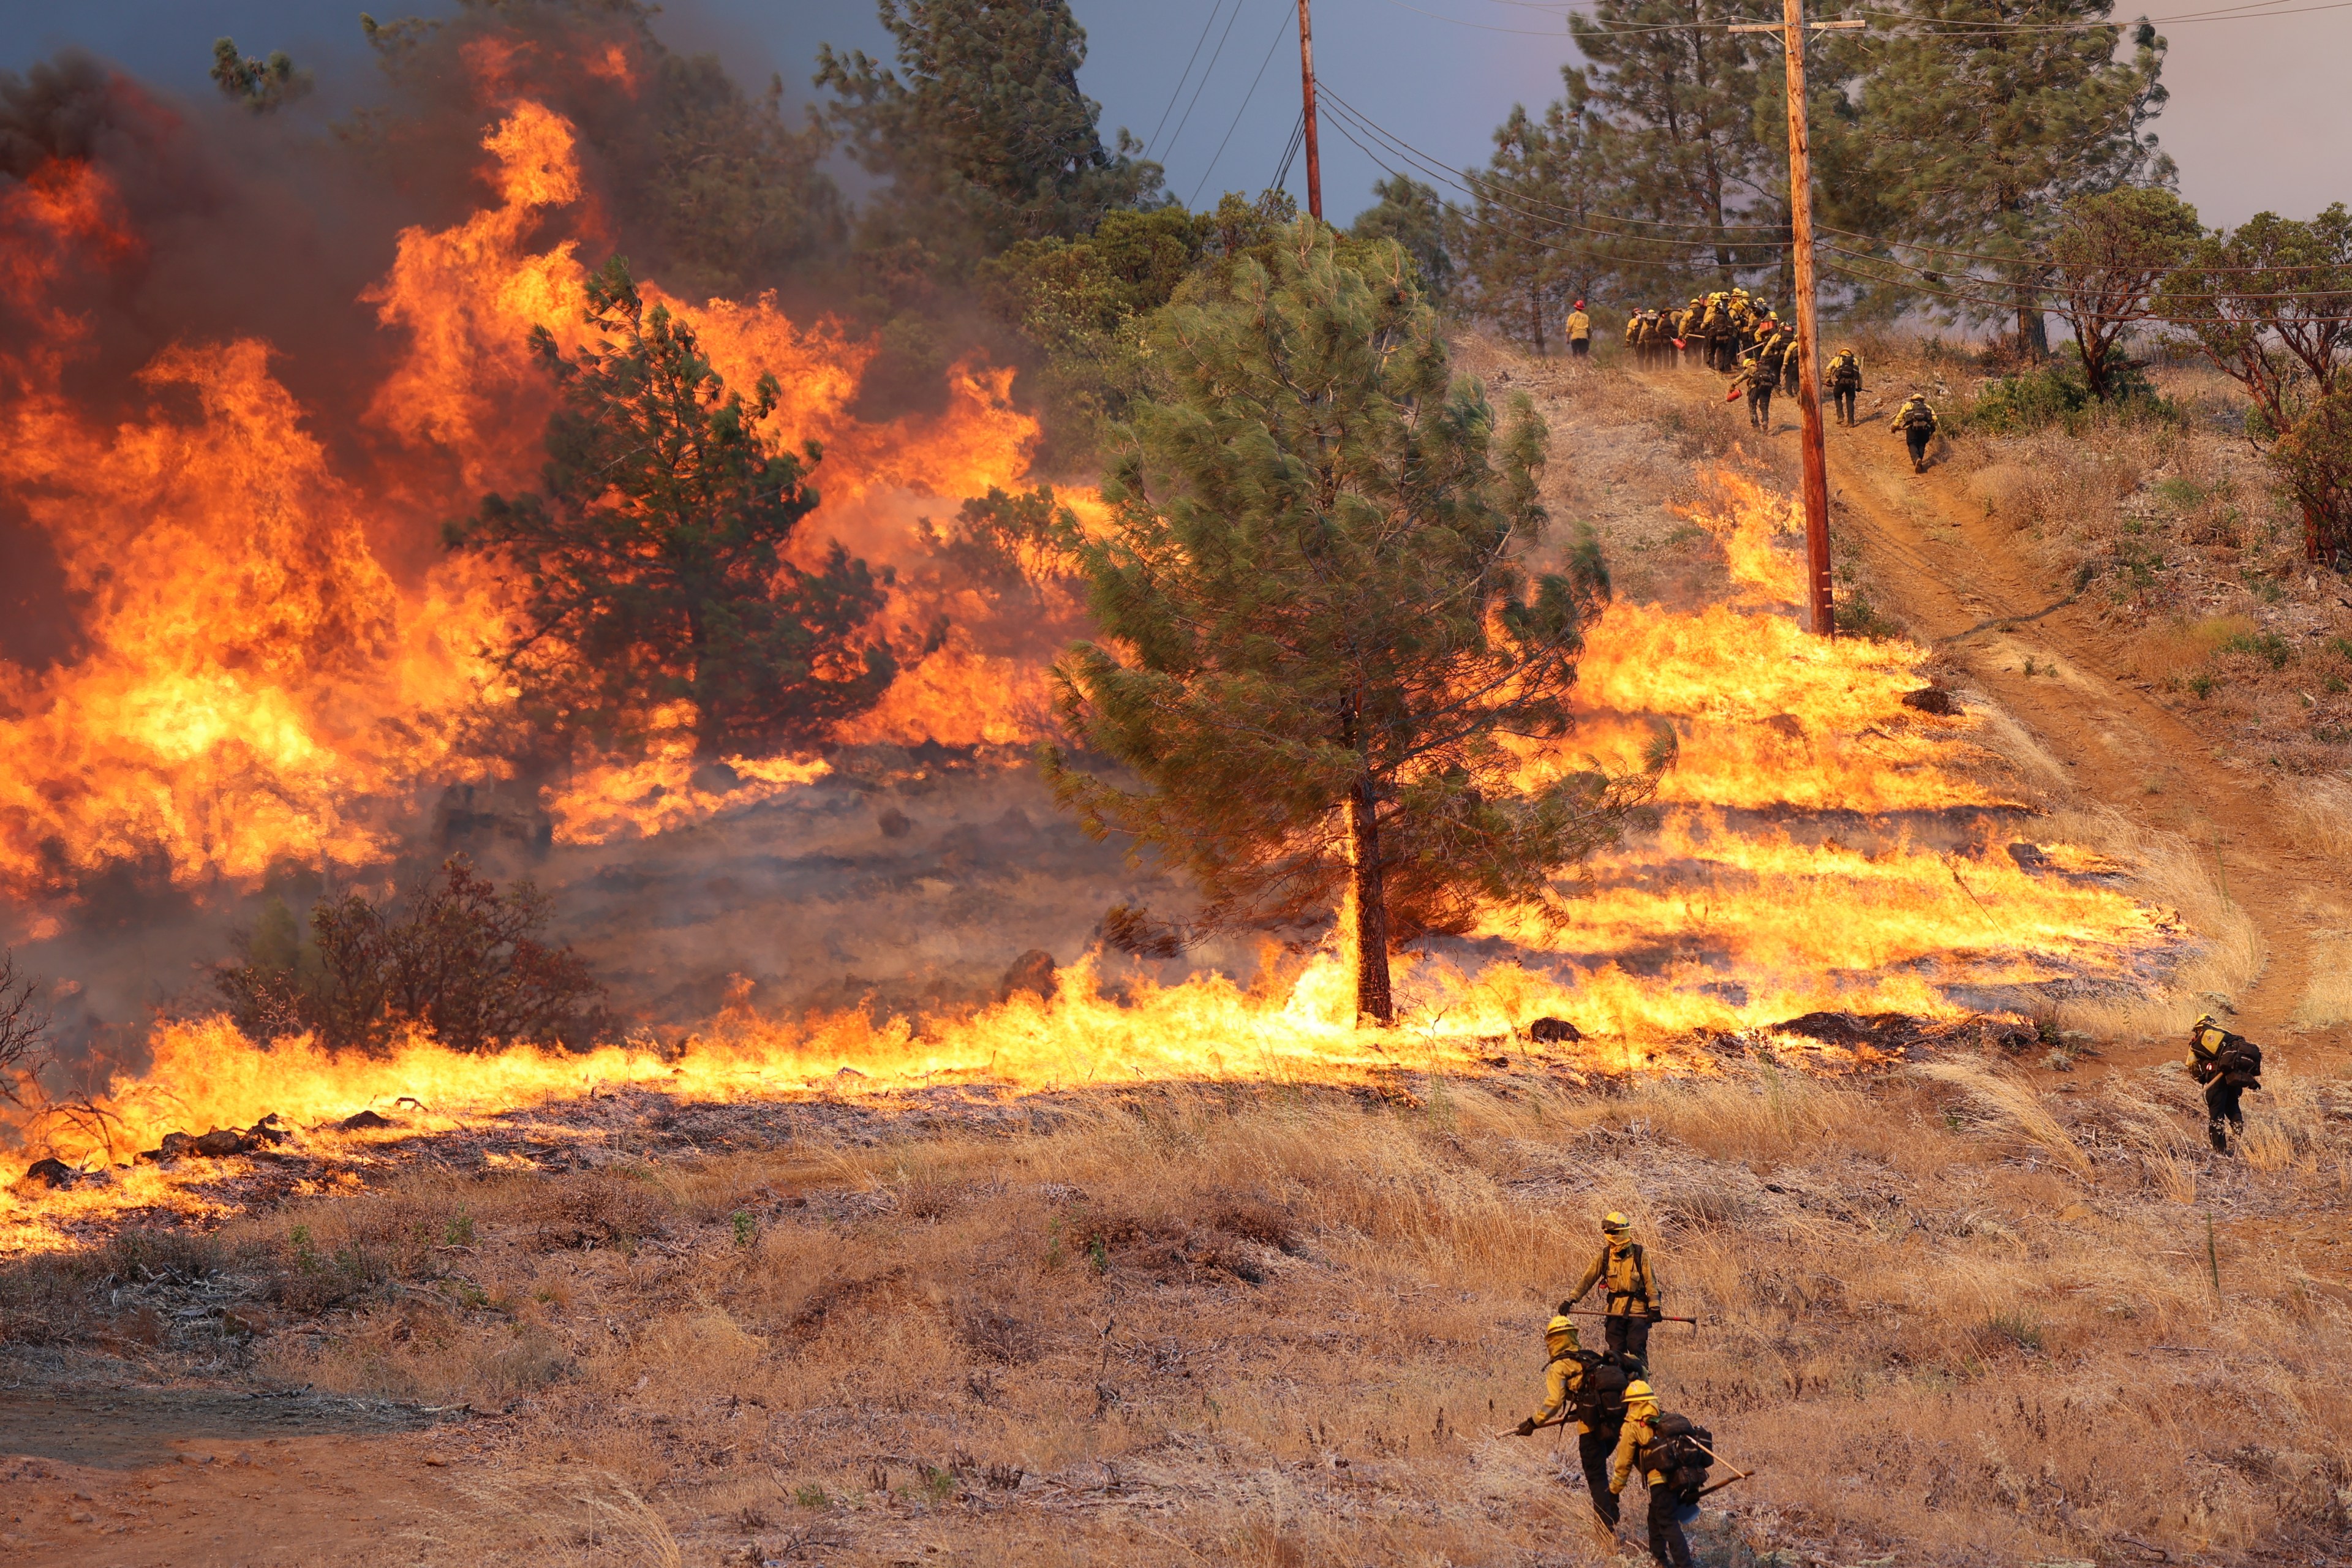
x=1291, y=150
x=1206, y=72
x=1188, y=62
x=1728, y=236
x=1288, y=20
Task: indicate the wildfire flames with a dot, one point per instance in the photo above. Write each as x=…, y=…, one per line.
x=256, y=686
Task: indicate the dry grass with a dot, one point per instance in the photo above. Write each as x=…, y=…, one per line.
x=1945, y=1313
x=2319, y=812
x=2327, y=999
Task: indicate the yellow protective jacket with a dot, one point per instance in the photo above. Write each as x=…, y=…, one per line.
x=1632, y=1283
x=1580, y=325
x=1905, y=417
x=1637, y=1432
x=1844, y=373
x=1563, y=1377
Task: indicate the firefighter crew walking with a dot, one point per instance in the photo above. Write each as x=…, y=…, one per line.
x=1636, y=1301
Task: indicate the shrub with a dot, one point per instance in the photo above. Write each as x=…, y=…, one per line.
x=2056, y=394
x=454, y=957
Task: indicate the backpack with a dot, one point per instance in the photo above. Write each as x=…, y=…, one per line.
x=1918, y=416
x=2237, y=1061
x=1678, y=1450
x=1599, y=1398
x=1843, y=369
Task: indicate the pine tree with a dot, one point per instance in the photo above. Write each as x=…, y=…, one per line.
x=1318, y=623
x=1986, y=116
x=1410, y=214
x=1535, y=238
x=1681, y=112
x=981, y=124
x=651, y=570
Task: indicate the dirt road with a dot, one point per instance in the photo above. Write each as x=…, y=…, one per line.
x=129, y=1477
x=1957, y=574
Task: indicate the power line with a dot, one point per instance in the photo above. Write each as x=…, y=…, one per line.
x=1207, y=72
x=1715, y=239
x=1290, y=148
x=1280, y=33
x=1179, y=90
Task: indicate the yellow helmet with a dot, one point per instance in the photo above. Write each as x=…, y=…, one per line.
x=1612, y=1222
x=1562, y=1327
x=1639, y=1392
x=2204, y=1021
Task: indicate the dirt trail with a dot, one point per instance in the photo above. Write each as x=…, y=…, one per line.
x=125, y=1478
x=1957, y=574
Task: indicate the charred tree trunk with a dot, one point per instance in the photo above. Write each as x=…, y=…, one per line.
x=1374, y=1000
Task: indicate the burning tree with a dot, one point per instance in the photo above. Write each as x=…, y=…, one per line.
x=651, y=571
x=455, y=958
x=1319, y=622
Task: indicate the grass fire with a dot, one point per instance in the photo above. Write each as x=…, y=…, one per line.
x=739, y=838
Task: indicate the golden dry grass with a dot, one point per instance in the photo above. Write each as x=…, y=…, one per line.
x=2320, y=813
x=1945, y=1313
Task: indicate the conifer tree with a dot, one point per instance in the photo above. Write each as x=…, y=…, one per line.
x=1410, y=214
x=1530, y=239
x=1319, y=623
x=981, y=124
x=1675, y=102
x=1984, y=117
x=650, y=569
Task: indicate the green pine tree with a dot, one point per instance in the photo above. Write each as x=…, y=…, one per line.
x=980, y=126
x=1319, y=621
x=1985, y=117
x=1533, y=239
x=650, y=569
x=1410, y=214
x=1684, y=115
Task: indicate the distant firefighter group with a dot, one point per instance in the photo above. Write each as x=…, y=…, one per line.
x=1734, y=333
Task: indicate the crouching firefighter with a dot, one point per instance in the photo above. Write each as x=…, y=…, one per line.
x=1587, y=1387
x=1634, y=1299
x=2228, y=1066
x=1672, y=1456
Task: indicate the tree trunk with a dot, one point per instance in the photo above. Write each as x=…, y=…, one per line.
x=2033, y=331
x=1373, y=998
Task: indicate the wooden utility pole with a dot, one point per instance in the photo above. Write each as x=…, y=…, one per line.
x=1306, y=95
x=1792, y=30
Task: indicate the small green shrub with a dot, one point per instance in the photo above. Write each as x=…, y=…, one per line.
x=2269, y=646
x=2056, y=394
x=813, y=1497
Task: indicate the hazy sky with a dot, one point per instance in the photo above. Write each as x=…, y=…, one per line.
x=2260, y=118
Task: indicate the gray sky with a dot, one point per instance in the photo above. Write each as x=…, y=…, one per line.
x=2260, y=116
